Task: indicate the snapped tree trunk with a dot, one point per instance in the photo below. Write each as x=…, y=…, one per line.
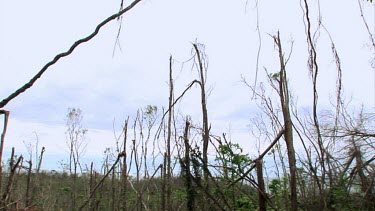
x=28, y=184
x=124, y=175
x=288, y=135
x=188, y=180
x=169, y=136
x=6, y=116
x=206, y=133
x=262, y=189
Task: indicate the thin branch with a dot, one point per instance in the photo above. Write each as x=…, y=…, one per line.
x=174, y=103
x=64, y=54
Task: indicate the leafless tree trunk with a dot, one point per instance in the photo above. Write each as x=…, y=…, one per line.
x=28, y=184
x=169, y=136
x=163, y=181
x=262, y=189
x=206, y=133
x=91, y=187
x=124, y=175
x=6, y=116
x=288, y=135
x=186, y=168
x=13, y=169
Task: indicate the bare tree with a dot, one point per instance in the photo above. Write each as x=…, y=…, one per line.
x=6, y=117
x=76, y=141
x=288, y=135
x=169, y=136
x=202, y=70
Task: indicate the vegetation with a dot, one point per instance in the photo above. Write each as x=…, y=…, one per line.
x=162, y=159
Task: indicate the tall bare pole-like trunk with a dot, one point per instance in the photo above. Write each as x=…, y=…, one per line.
x=163, y=182
x=124, y=176
x=6, y=116
x=40, y=161
x=91, y=188
x=288, y=135
x=206, y=132
x=169, y=135
x=28, y=200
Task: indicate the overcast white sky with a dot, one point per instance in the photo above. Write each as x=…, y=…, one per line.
x=109, y=88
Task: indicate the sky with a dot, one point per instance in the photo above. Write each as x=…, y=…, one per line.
x=110, y=82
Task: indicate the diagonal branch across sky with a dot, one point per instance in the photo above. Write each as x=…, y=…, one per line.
x=29, y=84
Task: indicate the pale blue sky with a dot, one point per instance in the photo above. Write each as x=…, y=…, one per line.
x=110, y=87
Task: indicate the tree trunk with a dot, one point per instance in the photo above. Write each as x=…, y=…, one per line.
x=28, y=184
x=188, y=180
x=206, y=133
x=124, y=175
x=6, y=116
x=262, y=189
x=169, y=135
x=288, y=135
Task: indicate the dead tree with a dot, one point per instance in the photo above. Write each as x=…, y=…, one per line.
x=288, y=135
x=262, y=189
x=206, y=133
x=169, y=136
x=28, y=200
x=6, y=116
x=185, y=166
x=124, y=175
x=13, y=168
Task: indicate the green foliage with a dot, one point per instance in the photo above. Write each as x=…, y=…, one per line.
x=196, y=155
x=232, y=158
x=233, y=163
x=341, y=198
x=151, y=110
x=243, y=203
x=150, y=115
x=66, y=189
x=275, y=76
x=277, y=185
x=278, y=189
x=179, y=194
